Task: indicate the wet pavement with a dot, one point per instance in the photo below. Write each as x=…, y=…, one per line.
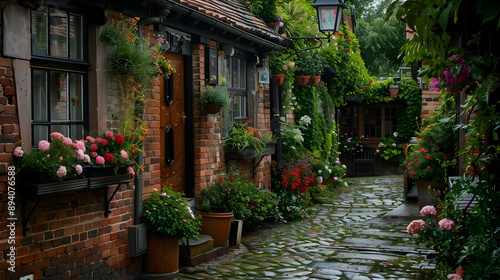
x=359, y=235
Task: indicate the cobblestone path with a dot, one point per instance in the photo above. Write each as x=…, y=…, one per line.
x=348, y=238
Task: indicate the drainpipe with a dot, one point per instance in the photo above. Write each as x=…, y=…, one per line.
x=138, y=193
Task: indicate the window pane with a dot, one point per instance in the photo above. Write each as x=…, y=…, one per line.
x=62, y=129
x=75, y=37
x=240, y=106
x=40, y=132
x=39, y=31
x=39, y=90
x=76, y=132
x=76, y=96
x=58, y=96
x=242, y=79
x=58, y=33
x=234, y=72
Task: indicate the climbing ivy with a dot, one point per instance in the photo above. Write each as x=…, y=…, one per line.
x=409, y=117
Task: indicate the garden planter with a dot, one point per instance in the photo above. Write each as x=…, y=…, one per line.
x=217, y=225
x=249, y=152
x=314, y=80
x=426, y=193
x=212, y=108
x=100, y=171
x=302, y=81
x=278, y=79
x=274, y=25
x=162, y=255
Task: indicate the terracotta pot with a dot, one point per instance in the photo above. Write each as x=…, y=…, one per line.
x=426, y=193
x=212, y=108
x=278, y=79
x=302, y=81
x=217, y=225
x=314, y=80
x=274, y=25
x=162, y=255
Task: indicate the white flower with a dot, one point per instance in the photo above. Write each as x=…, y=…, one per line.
x=380, y=144
x=305, y=120
x=343, y=166
x=320, y=171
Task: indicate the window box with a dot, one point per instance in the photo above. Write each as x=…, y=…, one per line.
x=249, y=152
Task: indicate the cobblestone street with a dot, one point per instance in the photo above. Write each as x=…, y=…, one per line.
x=349, y=238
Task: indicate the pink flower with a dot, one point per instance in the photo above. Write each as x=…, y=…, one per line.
x=43, y=145
x=67, y=141
x=93, y=154
x=454, y=277
x=80, y=145
x=60, y=159
x=131, y=170
x=99, y=160
x=86, y=158
x=285, y=67
x=80, y=154
x=79, y=169
x=446, y=224
x=428, y=210
x=109, y=135
x=90, y=139
x=94, y=147
x=415, y=225
x=61, y=172
x=124, y=154
x=18, y=152
x=104, y=142
x=57, y=135
x=291, y=64
x=435, y=83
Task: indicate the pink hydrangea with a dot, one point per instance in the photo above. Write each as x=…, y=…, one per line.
x=57, y=135
x=99, y=160
x=94, y=147
x=131, y=170
x=415, y=225
x=67, y=141
x=80, y=145
x=104, y=142
x=454, y=277
x=428, y=210
x=62, y=171
x=446, y=224
x=90, y=139
x=109, y=134
x=79, y=169
x=43, y=145
x=18, y=152
x=124, y=154
x=93, y=154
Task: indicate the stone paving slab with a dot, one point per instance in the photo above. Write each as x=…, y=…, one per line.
x=350, y=237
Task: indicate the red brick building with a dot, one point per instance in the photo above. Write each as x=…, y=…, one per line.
x=67, y=235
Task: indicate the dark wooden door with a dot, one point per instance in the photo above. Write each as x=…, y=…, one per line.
x=172, y=126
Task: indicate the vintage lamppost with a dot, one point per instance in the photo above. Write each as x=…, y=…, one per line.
x=329, y=15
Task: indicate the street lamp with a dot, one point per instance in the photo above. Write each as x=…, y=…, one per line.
x=329, y=15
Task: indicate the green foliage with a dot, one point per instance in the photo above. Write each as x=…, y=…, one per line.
x=232, y=193
x=309, y=63
x=216, y=95
x=266, y=9
x=349, y=144
x=409, y=117
x=168, y=213
x=243, y=135
x=391, y=148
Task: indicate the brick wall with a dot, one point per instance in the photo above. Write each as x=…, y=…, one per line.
x=430, y=102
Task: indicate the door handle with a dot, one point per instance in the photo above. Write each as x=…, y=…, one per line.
x=184, y=118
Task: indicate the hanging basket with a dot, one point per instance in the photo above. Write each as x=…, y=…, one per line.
x=314, y=80
x=302, y=81
x=212, y=108
x=278, y=79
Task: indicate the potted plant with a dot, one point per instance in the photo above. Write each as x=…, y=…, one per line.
x=317, y=70
x=214, y=206
x=168, y=217
x=279, y=68
x=430, y=160
x=244, y=141
x=214, y=98
x=55, y=161
x=309, y=64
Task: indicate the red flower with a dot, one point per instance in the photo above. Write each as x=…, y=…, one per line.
x=346, y=49
x=119, y=139
x=428, y=167
x=221, y=180
x=109, y=157
x=428, y=157
x=413, y=173
x=104, y=142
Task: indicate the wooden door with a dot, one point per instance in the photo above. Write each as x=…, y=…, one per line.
x=172, y=128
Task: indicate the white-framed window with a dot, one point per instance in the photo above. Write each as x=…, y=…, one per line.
x=236, y=77
x=58, y=74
